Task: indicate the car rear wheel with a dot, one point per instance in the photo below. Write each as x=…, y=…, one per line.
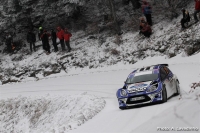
x=177, y=88
x=164, y=95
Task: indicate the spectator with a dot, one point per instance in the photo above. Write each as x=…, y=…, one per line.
x=31, y=38
x=146, y=9
x=54, y=37
x=9, y=41
x=197, y=10
x=185, y=19
x=60, y=35
x=146, y=30
x=142, y=20
x=45, y=38
x=39, y=36
x=67, y=36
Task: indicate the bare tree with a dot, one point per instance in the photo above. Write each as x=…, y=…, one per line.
x=170, y=8
x=113, y=12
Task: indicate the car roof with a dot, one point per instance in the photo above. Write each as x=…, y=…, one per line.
x=153, y=69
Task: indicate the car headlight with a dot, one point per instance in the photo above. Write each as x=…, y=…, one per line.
x=152, y=88
x=123, y=92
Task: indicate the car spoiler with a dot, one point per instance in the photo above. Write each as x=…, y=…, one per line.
x=163, y=65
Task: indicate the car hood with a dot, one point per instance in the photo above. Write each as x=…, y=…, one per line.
x=138, y=86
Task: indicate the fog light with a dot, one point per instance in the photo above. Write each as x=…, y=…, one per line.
x=123, y=100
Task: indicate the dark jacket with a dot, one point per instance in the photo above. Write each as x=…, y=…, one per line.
x=186, y=16
x=45, y=37
x=39, y=34
x=31, y=37
x=53, y=36
x=9, y=40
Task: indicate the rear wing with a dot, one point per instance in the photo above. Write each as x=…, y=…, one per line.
x=163, y=65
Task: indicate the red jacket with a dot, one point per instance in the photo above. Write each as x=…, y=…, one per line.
x=197, y=4
x=60, y=34
x=67, y=36
x=147, y=28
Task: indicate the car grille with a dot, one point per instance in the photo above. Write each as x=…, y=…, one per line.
x=146, y=99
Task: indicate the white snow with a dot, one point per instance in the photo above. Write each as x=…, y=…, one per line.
x=49, y=102
x=84, y=100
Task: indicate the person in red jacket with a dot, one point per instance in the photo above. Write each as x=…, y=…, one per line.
x=146, y=30
x=197, y=10
x=67, y=36
x=60, y=35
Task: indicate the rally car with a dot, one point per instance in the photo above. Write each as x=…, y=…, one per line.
x=150, y=84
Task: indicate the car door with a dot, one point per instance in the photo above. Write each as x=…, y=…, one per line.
x=171, y=80
x=167, y=80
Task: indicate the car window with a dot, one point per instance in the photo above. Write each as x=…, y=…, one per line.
x=166, y=70
x=163, y=73
x=141, y=78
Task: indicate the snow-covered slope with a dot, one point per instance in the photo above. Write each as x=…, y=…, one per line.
x=102, y=83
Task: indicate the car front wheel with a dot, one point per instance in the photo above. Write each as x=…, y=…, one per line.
x=164, y=95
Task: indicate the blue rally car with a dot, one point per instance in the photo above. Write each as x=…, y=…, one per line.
x=148, y=85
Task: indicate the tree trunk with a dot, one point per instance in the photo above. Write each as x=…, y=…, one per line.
x=113, y=12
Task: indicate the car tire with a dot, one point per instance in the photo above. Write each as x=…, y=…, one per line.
x=177, y=88
x=122, y=108
x=164, y=95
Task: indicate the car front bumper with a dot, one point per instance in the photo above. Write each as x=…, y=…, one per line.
x=147, y=98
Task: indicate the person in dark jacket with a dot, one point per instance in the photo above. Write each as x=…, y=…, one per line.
x=39, y=37
x=54, y=37
x=45, y=38
x=31, y=38
x=146, y=30
x=185, y=19
x=60, y=35
x=9, y=42
x=146, y=10
x=67, y=36
x=197, y=10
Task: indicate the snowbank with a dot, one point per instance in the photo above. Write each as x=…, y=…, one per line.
x=50, y=114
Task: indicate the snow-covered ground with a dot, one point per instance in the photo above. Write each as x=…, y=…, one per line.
x=84, y=101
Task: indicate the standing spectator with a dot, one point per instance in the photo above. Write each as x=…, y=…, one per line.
x=60, y=34
x=185, y=19
x=54, y=37
x=197, y=10
x=146, y=9
x=9, y=41
x=39, y=36
x=45, y=38
x=67, y=36
x=31, y=38
x=146, y=30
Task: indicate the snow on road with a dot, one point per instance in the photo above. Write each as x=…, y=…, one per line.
x=102, y=86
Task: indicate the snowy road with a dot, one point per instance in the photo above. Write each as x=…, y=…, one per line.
x=105, y=84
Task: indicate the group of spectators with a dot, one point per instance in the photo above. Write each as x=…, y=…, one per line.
x=146, y=22
x=64, y=35
x=45, y=36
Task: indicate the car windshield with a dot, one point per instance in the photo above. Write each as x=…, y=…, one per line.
x=141, y=78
